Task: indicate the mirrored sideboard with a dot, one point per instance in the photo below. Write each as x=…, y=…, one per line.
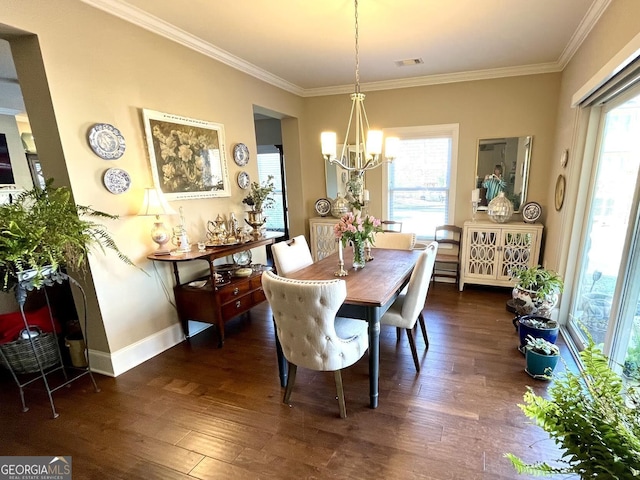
x=490, y=251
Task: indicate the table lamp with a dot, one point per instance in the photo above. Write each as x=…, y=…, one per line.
x=154, y=203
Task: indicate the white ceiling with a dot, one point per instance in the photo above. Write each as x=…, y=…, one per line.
x=308, y=46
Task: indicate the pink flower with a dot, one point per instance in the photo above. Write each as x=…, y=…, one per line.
x=354, y=228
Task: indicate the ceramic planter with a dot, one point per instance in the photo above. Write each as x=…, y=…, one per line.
x=527, y=302
x=540, y=366
x=550, y=334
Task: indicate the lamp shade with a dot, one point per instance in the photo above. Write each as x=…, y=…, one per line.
x=328, y=141
x=374, y=142
x=154, y=203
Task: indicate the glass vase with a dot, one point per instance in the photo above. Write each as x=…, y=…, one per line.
x=358, y=255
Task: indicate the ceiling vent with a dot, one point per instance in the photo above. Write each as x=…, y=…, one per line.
x=408, y=62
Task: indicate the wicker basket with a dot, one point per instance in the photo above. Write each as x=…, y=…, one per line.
x=19, y=353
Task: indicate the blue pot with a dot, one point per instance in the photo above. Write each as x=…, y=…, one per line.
x=540, y=365
x=550, y=334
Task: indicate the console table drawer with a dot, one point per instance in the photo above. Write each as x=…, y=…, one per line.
x=237, y=306
x=235, y=290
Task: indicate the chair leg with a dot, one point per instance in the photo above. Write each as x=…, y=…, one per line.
x=343, y=408
x=398, y=333
x=423, y=327
x=412, y=344
x=290, y=381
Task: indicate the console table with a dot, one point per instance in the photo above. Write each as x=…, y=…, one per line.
x=491, y=251
x=212, y=303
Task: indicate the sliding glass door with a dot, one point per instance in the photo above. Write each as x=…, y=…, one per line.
x=605, y=301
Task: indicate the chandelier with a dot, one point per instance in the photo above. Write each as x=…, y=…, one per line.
x=367, y=152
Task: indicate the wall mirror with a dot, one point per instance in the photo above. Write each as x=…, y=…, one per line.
x=502, y=164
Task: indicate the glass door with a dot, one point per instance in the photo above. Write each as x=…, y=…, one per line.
x=605, y=301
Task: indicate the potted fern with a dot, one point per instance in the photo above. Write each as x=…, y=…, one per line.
x=43, y=231
x=593, y=417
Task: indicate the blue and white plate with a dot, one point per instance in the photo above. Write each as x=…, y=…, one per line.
x=106, y=141
x=116, y=180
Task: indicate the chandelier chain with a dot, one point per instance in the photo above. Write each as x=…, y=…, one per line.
x=357, y=52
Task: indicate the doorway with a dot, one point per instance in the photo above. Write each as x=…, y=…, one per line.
x=271, y=163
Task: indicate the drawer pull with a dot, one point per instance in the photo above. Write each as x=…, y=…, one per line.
x=236, y=291
x=238, y=304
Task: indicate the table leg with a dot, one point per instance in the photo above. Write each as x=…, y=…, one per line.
x=282, y=362
x=373, y=319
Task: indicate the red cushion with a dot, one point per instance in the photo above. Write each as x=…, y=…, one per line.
x=11, y=324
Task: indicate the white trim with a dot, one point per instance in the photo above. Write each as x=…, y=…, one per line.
x=426, y=131
x=155, y=25
x=586, y=25
x=620, y=60
x=131, y=356
x=136, y=16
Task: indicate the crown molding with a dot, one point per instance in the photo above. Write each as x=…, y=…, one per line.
x=586, y=25
x=153, y=24
x=439, y=79
x=142, y=19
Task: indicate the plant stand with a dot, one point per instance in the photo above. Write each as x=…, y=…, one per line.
x=46, y=363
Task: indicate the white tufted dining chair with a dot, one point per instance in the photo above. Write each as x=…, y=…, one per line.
x=407, y=309
x=292, y=255
x=310, y=334
x=397, y=240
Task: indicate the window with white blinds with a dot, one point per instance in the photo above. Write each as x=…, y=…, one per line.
x=269, y=164
x=419, y=182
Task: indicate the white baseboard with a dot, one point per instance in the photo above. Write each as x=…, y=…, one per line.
x=131, y=356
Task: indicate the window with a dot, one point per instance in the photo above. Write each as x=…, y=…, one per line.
x=419, y=183
x=269, y=164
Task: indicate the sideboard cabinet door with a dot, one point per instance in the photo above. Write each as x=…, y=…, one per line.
x=323, y=240
x=491, y=251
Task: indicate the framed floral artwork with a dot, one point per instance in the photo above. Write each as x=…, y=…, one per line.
x=187, y=156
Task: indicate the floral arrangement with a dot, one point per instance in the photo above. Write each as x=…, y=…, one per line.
x=354, y=228
x=260, y=195
x=187, y=158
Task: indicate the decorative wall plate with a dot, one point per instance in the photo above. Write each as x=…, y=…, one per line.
x=323, y=206
x=531, y=212
x=243, y=180
x=561, y=184
x=116, y=180
x=241, y=154
x=564, y=158
x=106, y=141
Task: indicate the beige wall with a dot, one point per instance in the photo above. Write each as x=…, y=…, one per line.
x=511, y=107
x=101, y=69
x=618, y=25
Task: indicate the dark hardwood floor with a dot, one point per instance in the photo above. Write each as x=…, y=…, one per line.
x=197, y=411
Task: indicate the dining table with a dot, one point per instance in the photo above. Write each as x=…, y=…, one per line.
x=370, y=292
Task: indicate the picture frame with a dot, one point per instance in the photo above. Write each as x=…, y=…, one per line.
x=187, y=156
x=35, y=168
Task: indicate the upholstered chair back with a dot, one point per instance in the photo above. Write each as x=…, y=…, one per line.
x=305, y=313
x=396, y=240
x=292, y=255
x=418, y=287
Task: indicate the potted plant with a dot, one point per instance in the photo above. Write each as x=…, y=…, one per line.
x=536, y=327
x=260, y=195
x=536, y=291
x=541, y=357
x=44, y=230
x=593, y=417
x=259, y=198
